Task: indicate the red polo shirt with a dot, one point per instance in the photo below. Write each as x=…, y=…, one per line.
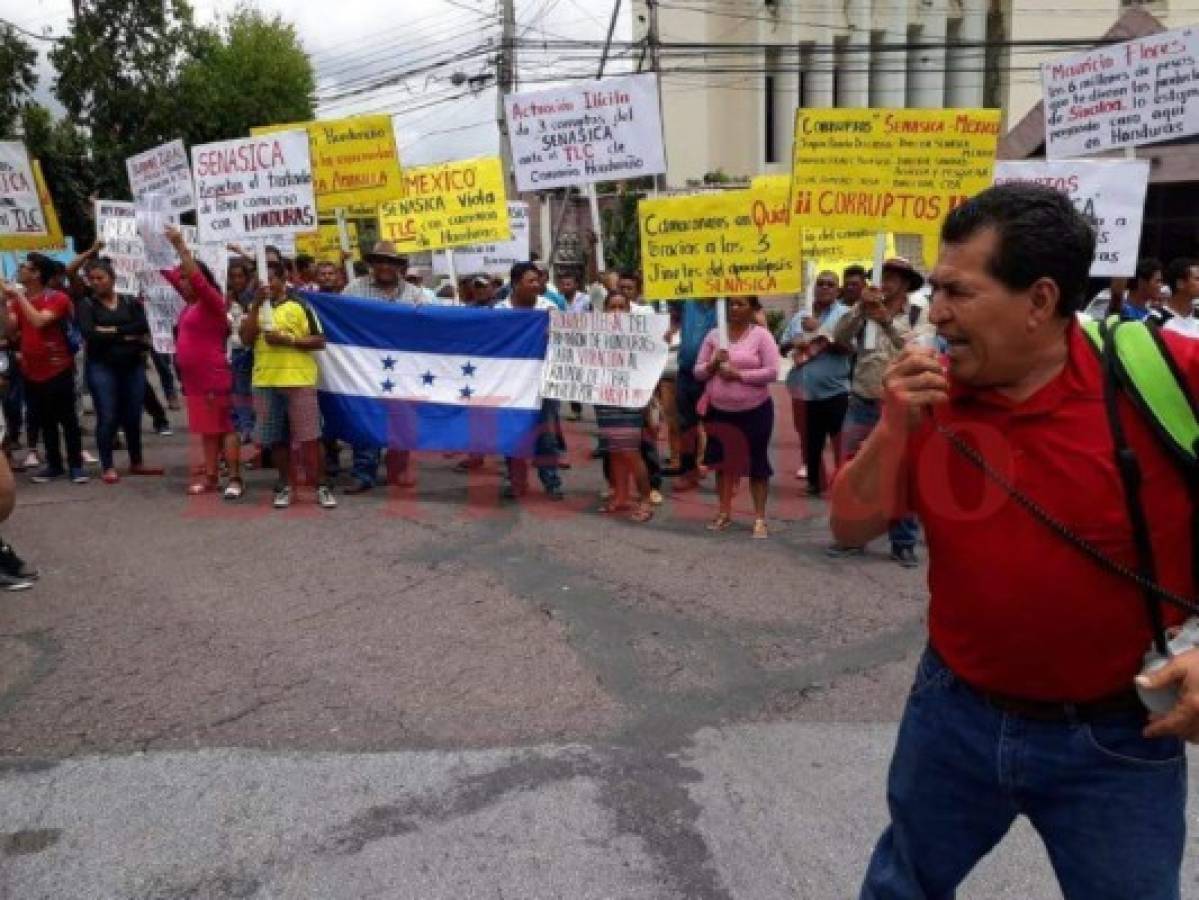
x=1014, y=609
x=44, y=351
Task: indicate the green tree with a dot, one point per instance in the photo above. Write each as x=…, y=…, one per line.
x=622, y=237
x=17, y=77
x=253, y=71
x=63, y=151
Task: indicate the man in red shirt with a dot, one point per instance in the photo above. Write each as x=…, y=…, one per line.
x=1023, y=703
x=40, y=317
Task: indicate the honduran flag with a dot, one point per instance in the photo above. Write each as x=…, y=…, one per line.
x=431, y=377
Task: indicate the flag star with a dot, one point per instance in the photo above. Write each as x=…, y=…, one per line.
x=468, y=370
x=466, y=393
x=428, y=378
x=389, y=364
x=388, y=386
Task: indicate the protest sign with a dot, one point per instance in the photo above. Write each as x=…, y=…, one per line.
x=116, y=226
x=613, y=359
x=603, y=131
x=53, y=239
x=900, y=170
x=163, y=170
x=1110, y=193
x=1123, y=95
x=254, y=188
x=492, y=259
x=453, y=204
x=21, y=213
x=354, y=161
x=722, y=244
x=324, y=244
x=152, y=215
x=163, y=303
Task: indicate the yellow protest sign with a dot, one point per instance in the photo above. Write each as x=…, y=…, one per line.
x=53, y=238
x=354, y=161
x=448, y=205
x=324, y=245
x=899, y=170
x=727, y=244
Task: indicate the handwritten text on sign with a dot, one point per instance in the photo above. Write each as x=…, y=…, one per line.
x=901, y=170
x=20, y=207
x=254, y=187
x=492, y=259
x=613, y=359
x=728, y=244
x=605, y=131
x=449, y=205
x=1122, y=95
x=354, y=161
x=324, y=244
x=163, y=170
x=53, y=238
x=1110, y=193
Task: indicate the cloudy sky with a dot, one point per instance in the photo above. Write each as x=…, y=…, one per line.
x=354, y=47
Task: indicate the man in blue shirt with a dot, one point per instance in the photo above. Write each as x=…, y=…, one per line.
x=1144, y=291
x=697, y=319
x=820, y=379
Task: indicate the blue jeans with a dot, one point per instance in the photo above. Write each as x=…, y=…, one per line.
x=241, y=361
x=1108, y=803
x=366, y=463
x=164, y=365
x=546, y=453
x=860, y=419
x=117, y=395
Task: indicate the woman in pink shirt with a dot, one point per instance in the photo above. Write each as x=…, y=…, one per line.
x=203, y=330
x=737, y=411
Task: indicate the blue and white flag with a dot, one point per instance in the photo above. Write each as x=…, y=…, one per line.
x=431, y=378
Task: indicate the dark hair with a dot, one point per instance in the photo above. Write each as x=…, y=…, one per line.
x=104, y=264
x=608, y=296
x=207, y=273
x=1180, y=270
x=851, y=271
x=46, y=267
x=570, y=274
x=1145, y=269
x=630, y=274
x=246, y=268
x=518, y=271
x=360, y=268
x=276, y=268
x=303, y=259
x=1041, y=235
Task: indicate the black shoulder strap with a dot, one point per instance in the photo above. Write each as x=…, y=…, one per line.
x=913, y=314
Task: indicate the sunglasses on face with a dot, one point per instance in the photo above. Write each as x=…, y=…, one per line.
x=831, y=284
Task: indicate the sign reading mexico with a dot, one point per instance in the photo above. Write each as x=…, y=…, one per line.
x=605, y=131
x=253, y=188
x=614, y=359
x=1110, y=193
x=166, y=171
x=448, y=205
x=354, y=161
x=20, y=206
x=1139, y=92
x=899, y=170
x=722, y=244
x=492, y=259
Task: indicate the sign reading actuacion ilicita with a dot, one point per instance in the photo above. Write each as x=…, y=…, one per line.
x=606, y=131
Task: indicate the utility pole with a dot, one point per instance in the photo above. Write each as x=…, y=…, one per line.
x=505, y=83
x=654, y=43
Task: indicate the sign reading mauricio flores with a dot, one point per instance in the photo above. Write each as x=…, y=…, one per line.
x=254, y=187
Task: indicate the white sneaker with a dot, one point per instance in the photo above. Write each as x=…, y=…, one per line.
x=655, y=498
x=324, y=496
x=31, y=460
x=89, y=459
x=282, y=497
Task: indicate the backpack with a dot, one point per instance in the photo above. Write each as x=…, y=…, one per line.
x=1136, y=361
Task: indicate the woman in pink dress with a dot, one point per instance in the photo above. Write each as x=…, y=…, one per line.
x=202, y=333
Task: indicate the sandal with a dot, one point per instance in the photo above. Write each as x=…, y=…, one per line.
x=642, y=514
x=760, y=531
x=203, y=487
x=608, y=507
x=722, y=522
x=234, y=489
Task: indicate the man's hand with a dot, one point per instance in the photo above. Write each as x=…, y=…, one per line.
x=278, y=339
x=174, y=236
x=873, y=307
x=1183, y=720
x=912, y=385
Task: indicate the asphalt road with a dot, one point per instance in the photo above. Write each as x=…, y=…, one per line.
x=435, y=693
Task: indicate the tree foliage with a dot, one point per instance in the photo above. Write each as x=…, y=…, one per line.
x=17, y=77
x=63, y=151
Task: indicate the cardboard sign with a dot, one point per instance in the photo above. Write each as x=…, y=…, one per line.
x=21, y=213
x=324, y=244
x=492, y=259
x=726, y=244
x=1110, y=194
x=453, y=204
x=1123, y=95
x=166, y=171
x=254, y=188
x=603, y=131
x=53, y=239
x=900, y=170
x=613, y=359
x=354, y=161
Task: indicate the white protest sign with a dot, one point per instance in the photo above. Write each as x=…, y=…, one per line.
x=602, y=131
x=1110, y=194
x=1122, y=95
x=163, y=303
x=613, y=359
x=252, y=188
x=116, y=226
x=152, y=219
x=163, y=170
x=492, y=259
x=20, y=207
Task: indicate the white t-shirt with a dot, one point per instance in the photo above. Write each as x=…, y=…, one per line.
x=543, y=303
x=1186, y=325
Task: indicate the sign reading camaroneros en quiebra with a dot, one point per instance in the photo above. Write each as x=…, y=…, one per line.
x=605, y=131
x=254, y=187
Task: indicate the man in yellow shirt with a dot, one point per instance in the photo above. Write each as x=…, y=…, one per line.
x=285, y=333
